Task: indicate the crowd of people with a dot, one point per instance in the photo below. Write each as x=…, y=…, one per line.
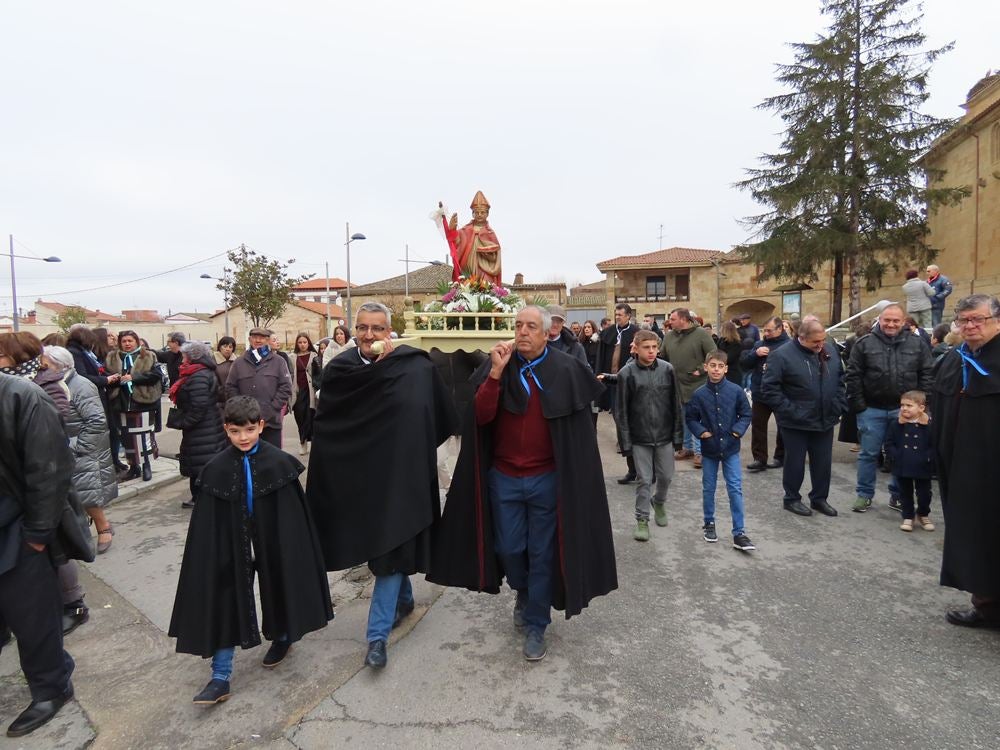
x=920, y=406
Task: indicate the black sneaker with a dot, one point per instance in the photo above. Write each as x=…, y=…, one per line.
x=534, y=645
x=742, y=543
x=214, y=692
x=376, y=657
x=709, y=532
x=276, y=654
x=627, y=479
x=895, y=503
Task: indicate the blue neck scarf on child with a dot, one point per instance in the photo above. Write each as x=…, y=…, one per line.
x=249, y=476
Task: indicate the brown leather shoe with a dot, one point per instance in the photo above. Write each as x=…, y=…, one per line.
x=697, y=461
x=683, y=454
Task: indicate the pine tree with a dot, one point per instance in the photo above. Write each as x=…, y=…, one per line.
x=846, y=186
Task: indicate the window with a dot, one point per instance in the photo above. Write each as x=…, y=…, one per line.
x=682, y=287
x=656, y=286
x=995, y=143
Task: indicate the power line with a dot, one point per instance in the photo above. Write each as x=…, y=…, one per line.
x=132, y=281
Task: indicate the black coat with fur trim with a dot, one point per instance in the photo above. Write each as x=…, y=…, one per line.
x=463, y=551
x=214, y=607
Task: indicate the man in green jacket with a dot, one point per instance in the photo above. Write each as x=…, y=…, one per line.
x=685, y=346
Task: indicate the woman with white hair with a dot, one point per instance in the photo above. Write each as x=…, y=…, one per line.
x=94, y=477
x=195, y=396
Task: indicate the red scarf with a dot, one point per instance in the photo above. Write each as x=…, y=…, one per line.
x=186, y=371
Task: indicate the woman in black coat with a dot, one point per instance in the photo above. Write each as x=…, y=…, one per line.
x=82, y=343
x=731, y=343
x=195, y=396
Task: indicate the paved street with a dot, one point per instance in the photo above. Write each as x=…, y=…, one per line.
x=831, y=635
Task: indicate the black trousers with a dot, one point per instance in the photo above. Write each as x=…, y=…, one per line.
x=760, y=413
x=31, y=605
x=906, y=488
x=819, y=447
x=271, y=435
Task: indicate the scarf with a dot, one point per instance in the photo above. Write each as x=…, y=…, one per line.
x=969, y=359
x=249, y=477
x=27, y=370
x=128, y=360
x=260, y=354
x=95, y=361
x=185, y=371
x=529, y=367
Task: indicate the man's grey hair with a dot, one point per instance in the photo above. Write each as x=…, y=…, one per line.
x=77, y=326
x=890, y=306
x=978, y=300
x=810, y=325
x=374, y=307
x=931, y=265
x=177, y=337
x=196, y=350
x=546, y=315
x=60, y=357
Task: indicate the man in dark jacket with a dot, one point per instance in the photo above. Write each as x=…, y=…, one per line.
x=36, y=466
x=966, y=425
x=614, y=350
x=883, y=366
x=373, y=488
x=562, y=339
x=753, y=362
x=264, y=375
x=941, y=285
x=172, y=357
x=527, y=499
x=746, y=328
x=804, y=384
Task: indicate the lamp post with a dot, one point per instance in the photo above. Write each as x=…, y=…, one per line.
x=718, y=292
x=407, y=261
x=13, y=280
x=225, y=297
x=350, y=238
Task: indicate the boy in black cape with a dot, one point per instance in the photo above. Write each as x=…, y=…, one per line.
x=528, y=390
x=251, y=516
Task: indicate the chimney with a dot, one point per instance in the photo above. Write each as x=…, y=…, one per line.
x=518, y=279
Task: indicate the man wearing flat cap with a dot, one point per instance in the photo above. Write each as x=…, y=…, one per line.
x=560, y=338
x=262, y=374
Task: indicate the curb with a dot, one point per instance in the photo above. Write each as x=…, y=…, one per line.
x=162, y=478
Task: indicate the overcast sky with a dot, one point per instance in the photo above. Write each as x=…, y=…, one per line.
x=139, y=137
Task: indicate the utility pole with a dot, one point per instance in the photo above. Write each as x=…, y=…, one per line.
x=406, y=284
x=13, y=286
x=328, y=298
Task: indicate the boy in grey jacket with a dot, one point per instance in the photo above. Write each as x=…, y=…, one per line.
x=650, y=426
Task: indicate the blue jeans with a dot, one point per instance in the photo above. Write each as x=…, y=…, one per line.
x=872, y=427
x=389, y=593
x=222, y=663
x=524, y=526
x=691, y=442
x=734, y=487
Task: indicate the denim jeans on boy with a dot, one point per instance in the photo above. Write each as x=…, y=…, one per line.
x=222, y=661
x=691, y=442
x=731, y=472
x=872, y=427
x=524, y=530
x=389, y=592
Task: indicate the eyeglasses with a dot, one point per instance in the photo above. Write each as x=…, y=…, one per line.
x=973, y=321
x=362, y=330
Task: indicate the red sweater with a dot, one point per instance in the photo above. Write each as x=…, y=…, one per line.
x=522, y=446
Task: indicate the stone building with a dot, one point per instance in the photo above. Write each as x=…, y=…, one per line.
x=298, y=316
x=968, y=235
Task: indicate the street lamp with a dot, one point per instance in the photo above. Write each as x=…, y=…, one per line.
x=718, y=292
x=225, y=297
x=13, y=281
x=350, y=238
x=407, y=261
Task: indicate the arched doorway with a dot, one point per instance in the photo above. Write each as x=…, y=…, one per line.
x=759, y=310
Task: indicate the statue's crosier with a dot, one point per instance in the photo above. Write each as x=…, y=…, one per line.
x=475, y=247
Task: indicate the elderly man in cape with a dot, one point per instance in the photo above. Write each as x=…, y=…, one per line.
x=527, y=499
x=373, y=488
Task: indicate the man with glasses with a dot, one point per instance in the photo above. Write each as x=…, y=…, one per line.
x=966, y=426
x=883, y=366
x=373, y=485
x=753, y=361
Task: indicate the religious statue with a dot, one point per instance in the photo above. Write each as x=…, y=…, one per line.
x=475, y=248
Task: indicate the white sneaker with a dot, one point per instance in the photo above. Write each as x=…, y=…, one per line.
x=302, y=449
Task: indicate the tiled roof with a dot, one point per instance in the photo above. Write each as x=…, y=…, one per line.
x=423, y=280
x=666, y=257
x=336, y=311
x=311, y=285
x=141, y=316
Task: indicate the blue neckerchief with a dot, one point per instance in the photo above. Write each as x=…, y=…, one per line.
x=128, y=361
x=259, y=354
x=246, y=470
x=530, y=367
x=968, y=358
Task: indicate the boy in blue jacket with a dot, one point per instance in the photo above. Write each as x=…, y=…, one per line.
x=719, y=413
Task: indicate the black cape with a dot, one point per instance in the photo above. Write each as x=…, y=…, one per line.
x=214, y=607
x=968, y=472
x=373, y=486
x=463, y=552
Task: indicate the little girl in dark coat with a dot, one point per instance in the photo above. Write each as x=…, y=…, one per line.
x=910, y=448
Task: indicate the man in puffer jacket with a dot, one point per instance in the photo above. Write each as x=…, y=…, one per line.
x=804, y=384
x=883, y=366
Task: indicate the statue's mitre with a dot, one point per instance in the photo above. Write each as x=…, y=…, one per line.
x=479, y=200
